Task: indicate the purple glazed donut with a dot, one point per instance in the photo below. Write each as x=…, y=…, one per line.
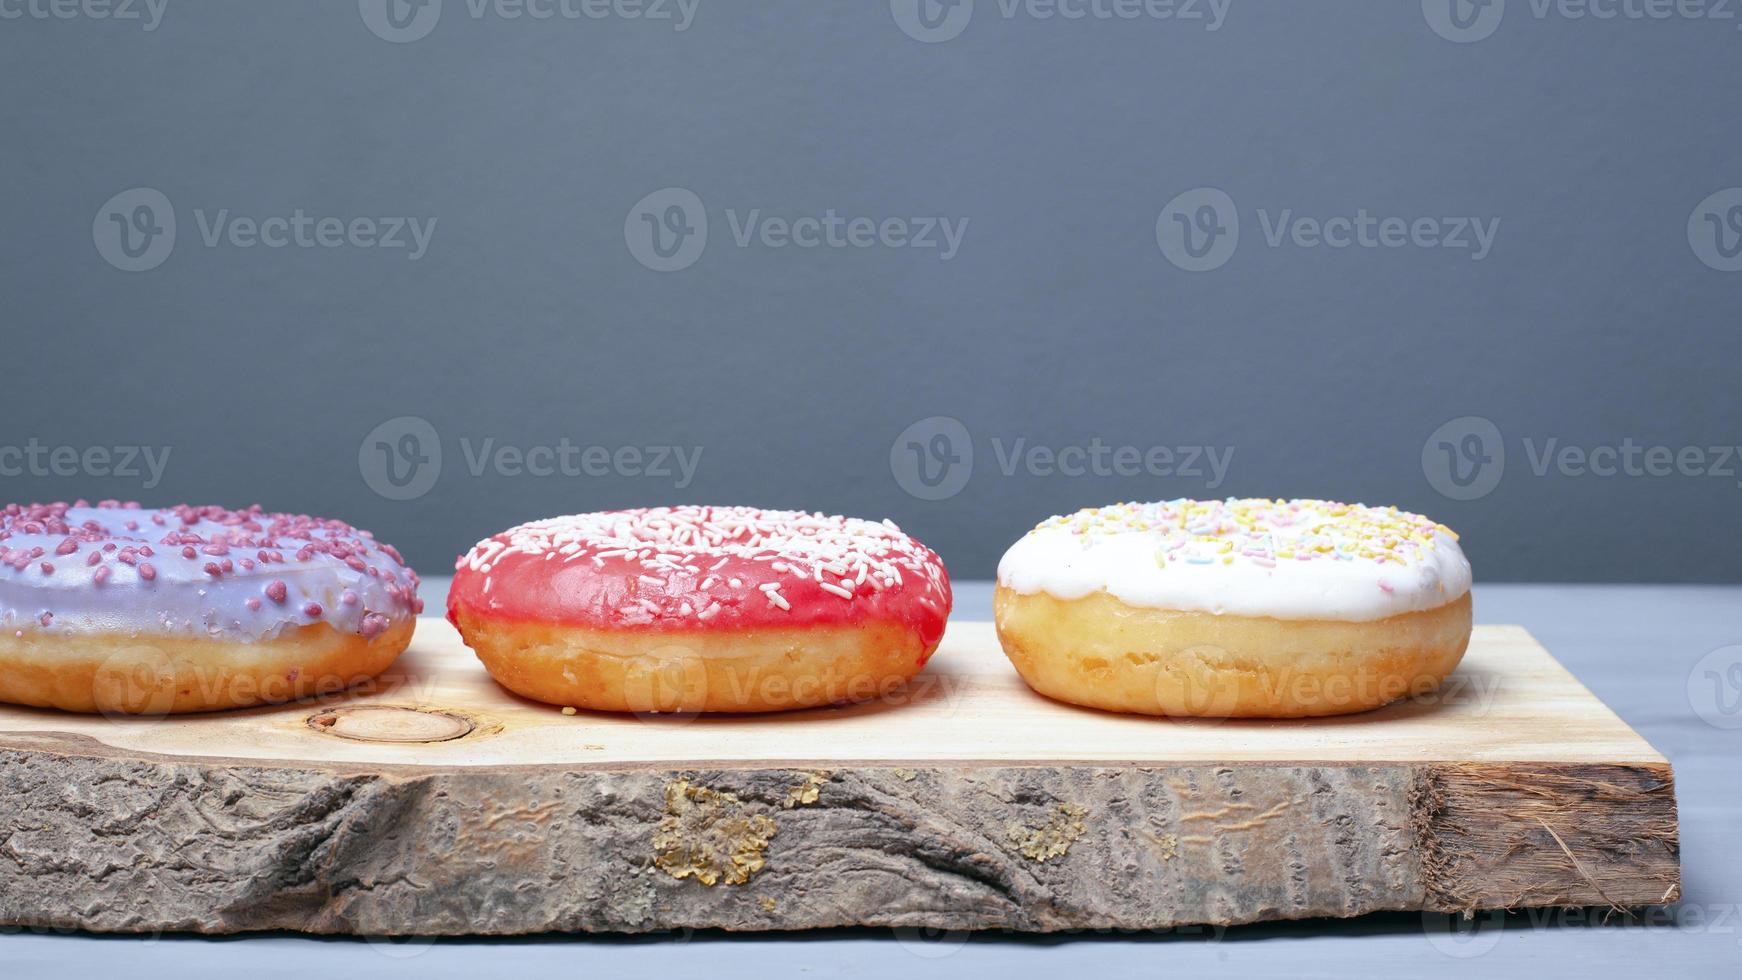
x=116, y=608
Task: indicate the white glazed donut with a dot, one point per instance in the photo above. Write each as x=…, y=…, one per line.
x=1267, y=608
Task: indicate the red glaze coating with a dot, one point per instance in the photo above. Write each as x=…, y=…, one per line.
x=704, y=569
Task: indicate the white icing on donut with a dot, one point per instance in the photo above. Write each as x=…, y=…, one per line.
x=1283, y=559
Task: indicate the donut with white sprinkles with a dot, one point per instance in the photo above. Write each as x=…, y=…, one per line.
x=701, y=609
x=116, y=608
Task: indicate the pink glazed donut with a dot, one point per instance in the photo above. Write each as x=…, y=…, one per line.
x=701, y=609
x=119, y=609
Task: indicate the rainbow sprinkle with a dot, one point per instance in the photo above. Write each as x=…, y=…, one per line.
x=1262, y=532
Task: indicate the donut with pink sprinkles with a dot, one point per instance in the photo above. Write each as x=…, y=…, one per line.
x=117, y=607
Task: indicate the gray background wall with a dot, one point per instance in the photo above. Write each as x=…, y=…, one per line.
x=1599, y=314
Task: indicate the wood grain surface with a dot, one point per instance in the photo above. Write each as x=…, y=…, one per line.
x=434, y=803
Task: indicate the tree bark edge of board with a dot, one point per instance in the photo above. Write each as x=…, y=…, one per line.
x=94, y=839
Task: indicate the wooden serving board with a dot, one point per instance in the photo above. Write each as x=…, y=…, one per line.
x=435, y=803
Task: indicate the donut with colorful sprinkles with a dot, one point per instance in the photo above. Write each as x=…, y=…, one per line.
x=682, y=609
x=120, y=609
x=1235, y=608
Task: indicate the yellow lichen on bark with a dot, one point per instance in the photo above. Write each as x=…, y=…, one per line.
x=806, y=793
x=708, y=835
x=1051, y=841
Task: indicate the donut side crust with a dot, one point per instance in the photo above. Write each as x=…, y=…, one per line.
x=646, y=671
x=159, y=675
x=1102, y=653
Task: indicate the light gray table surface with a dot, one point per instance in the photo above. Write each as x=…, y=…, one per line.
x=1656, y=654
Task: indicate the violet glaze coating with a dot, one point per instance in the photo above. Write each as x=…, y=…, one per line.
x=242, y=576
